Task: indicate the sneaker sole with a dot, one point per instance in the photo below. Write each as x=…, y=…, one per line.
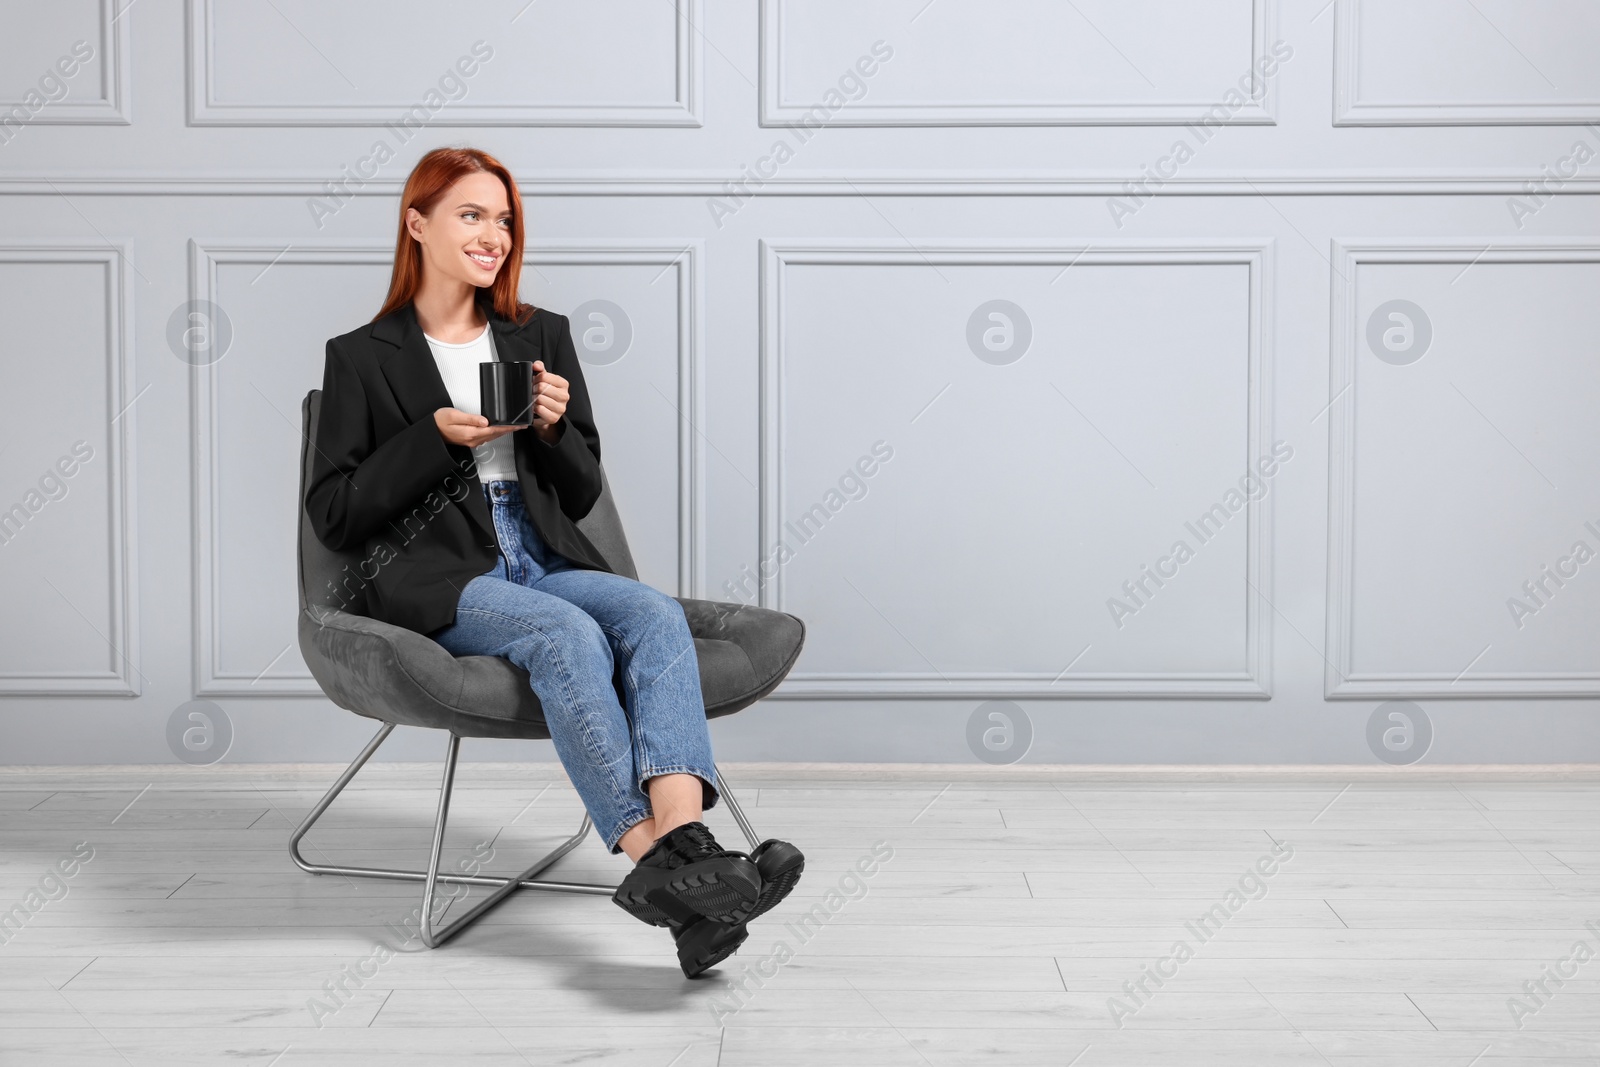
x=780, y=867
x=715, y=889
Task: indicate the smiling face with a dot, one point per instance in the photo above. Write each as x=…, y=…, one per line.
x=467, y=235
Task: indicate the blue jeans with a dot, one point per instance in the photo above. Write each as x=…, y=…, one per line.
x=574, y=629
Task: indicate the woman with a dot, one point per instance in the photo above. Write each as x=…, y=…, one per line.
x=509, y=573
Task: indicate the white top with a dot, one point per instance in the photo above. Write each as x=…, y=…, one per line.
x=458, y=366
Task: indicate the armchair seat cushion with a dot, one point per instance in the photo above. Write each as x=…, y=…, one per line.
x=397, y=675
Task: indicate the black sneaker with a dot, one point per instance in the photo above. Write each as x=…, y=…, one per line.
x=685, y=876
x=705, y=943
x=780, y=864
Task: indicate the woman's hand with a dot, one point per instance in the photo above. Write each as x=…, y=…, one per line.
x=550, y=396
x=462, y=428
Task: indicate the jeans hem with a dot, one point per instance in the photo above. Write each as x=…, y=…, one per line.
x=625, y=822
x=708, y=782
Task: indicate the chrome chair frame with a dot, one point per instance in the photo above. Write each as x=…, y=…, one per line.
x=503, y=887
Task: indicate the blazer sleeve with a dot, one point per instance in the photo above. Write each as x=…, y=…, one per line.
x=573, y=461
x=358, y=485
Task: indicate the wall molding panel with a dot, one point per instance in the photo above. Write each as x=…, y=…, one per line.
x=1254, y=683
x=112, y=107
x=1340, y=680
x=777, y=111
x=118, y=634
x=205, y=257
x=1352, y=109
x=684, y=109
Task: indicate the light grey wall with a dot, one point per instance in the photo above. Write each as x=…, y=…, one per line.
x=1193, y=278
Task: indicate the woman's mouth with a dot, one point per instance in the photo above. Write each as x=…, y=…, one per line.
x=486, y=260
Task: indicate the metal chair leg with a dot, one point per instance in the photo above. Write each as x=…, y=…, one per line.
x=452, y=750
x=432, y=877
x=322, y=805
x=733, y=806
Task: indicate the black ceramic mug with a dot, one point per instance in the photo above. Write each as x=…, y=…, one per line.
x=505, y=392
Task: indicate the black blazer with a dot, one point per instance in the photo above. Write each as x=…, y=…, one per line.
x=385, y=480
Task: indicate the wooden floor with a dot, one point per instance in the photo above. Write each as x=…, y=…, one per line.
x=1411, y=909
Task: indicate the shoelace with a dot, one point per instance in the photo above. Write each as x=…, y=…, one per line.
x=695, y=840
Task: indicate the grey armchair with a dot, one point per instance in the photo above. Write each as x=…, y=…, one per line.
x=396, y=676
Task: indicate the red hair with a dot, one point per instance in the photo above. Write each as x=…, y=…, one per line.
x=430, y=179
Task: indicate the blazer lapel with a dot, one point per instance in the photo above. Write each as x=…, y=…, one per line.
x=409, y=366
x=512, y=342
